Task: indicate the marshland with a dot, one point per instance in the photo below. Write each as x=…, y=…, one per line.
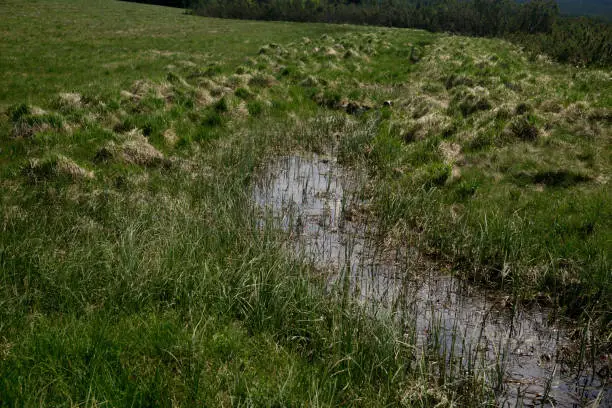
x=211, y=212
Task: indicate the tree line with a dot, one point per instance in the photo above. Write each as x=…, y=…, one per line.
x=472, y=17
x=535, y=24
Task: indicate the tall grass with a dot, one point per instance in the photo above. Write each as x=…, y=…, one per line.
x=134, y=270
x=169, y=292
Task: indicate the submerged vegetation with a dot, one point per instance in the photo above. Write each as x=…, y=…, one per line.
x=134, y=269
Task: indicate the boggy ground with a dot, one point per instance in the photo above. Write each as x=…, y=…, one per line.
x=133, y=269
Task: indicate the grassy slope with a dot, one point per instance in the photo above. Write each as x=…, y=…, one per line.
x=131, y=269
x=146, y=282
x=100, y=47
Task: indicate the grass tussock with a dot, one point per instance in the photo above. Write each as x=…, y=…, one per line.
x=134, y=270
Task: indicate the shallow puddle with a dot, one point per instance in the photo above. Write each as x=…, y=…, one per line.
x=311, y=198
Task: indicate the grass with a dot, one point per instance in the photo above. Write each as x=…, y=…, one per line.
x=99, y=47
x=132, y=267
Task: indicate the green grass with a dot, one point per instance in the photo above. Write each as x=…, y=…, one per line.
x=100, y=47
x=132, y=267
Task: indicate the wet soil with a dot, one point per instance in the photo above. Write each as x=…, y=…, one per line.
x=523, y=347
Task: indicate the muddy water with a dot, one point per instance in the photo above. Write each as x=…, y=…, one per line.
x=312, y=199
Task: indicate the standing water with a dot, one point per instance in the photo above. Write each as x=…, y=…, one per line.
x=311, y=198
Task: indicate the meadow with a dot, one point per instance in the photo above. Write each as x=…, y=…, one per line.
x=134, y=269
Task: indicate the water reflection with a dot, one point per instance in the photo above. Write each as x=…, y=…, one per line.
x=312, y=199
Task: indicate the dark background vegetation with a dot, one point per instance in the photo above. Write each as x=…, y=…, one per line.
x=169, y=3
x=539, y=25
x=601, y=8
x=595, y=8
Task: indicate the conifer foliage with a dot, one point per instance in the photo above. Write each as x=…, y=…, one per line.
x=535, y=24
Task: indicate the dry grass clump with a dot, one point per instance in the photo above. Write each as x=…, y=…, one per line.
x=55, y=166
x=238, y=80
x=435, y=122
x=141, y=88
x=351, y=53
x=603, y=115
x=471, y=100
x=239, y=110
x=330, y=52
x=70, y=100
x=310, y=81
x=144, y=88
x=187, y=64
x=272, y=49
x=203, y=97
x=431, y=124
x=37, y=111
x=170, y=137
x=455, y=80
x=420, y=105
x=177, y=80
x=136, y=149
x=265, y=61
x=577, y=110
x=67, y=167
x=211, y=86
x=551, y=106
x=262, y=80
x=26, y=129
x=523, y=128
x=27, y=121
x=127, y=95
x=333, y=67
x=206, y=83
x=220, y=91
x=505, y=111
x=451, y=152
x=423, y=394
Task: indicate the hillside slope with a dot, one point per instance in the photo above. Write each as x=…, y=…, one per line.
x=134, y=270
